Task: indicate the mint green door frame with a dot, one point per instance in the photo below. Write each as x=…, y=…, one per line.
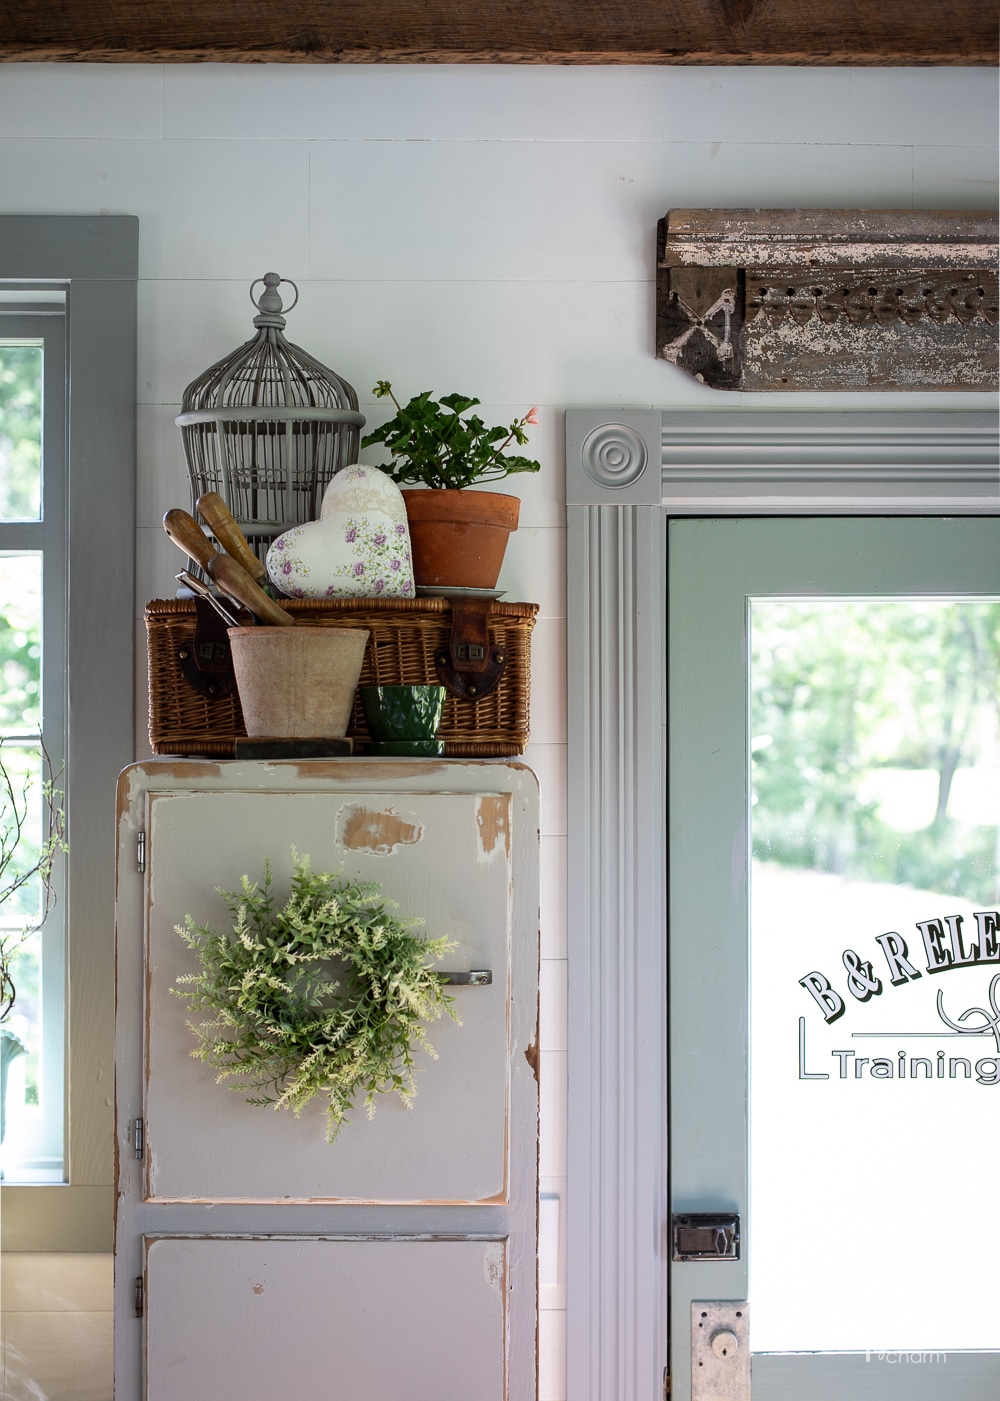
x=714, y=568
x=627, y=472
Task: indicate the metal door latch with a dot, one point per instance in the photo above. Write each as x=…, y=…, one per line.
x=706, y=1236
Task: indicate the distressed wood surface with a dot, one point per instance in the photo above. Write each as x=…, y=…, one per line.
x=204, y=1142
x=331, y=1224
x=420, y=1319
x=830, y=238
x=701, y=319
x=545, y=31
x=821, y=299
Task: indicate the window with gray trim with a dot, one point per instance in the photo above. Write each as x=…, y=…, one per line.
x=91, y=262
x=32, y=718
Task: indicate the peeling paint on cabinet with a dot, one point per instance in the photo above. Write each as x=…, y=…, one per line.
x=493, y=817
x=311, y=1318
x=454, y=843
x=366, y=829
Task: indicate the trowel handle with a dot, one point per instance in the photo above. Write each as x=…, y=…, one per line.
x=223, y=525
x=188, y=536
x=236, y=582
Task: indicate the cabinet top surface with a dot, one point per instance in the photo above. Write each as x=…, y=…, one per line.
x=413, y=775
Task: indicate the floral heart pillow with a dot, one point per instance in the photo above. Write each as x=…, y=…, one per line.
x=359, y=547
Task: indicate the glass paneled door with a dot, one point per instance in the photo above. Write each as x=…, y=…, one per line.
x=835, y=947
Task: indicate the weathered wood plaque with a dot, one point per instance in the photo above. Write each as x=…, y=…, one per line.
x=828, y=299
x=498, y=31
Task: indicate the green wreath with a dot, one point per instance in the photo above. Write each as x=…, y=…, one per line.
x=325, y=996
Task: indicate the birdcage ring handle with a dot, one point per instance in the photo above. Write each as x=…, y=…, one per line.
x=284, y=282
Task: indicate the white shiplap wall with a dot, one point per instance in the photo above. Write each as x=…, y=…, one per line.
x=487, y=229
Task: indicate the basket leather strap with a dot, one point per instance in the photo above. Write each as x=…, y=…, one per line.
x=207, y=663
x=473, y=664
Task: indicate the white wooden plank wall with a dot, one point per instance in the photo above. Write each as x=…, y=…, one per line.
x=483, y=229
x=56, y=1327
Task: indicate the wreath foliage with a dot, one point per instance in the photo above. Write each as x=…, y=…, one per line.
x=326, y=996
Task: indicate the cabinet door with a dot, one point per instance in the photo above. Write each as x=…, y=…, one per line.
x=442, y=856
x=325, y=1320
x=253, y=1259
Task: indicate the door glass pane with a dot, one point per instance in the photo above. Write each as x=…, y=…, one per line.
x=875, y=973
x=20, y=432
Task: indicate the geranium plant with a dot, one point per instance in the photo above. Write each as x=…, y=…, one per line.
x=438, y=443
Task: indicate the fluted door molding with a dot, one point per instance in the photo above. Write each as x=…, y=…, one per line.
x=627, y=472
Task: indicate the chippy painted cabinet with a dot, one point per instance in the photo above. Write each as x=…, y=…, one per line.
x=253, y=1259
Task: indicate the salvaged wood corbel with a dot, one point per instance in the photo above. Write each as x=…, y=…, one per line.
x=797, y=299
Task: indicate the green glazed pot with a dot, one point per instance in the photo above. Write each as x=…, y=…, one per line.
x=395, y=713
x=409, y=748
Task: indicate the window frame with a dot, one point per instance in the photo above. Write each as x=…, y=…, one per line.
x=95, y=261
x=46, y=323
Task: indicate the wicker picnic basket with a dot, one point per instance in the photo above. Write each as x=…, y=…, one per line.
x=405, y=636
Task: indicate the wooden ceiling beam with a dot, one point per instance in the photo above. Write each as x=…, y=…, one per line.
x=815, y=32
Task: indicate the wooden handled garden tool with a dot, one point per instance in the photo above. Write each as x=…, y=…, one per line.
x=201, y=590
x=236, y=582
x=223, y=525
x=188, y=536
x=233, y=580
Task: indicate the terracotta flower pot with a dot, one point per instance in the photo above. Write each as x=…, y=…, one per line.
x=458, y=538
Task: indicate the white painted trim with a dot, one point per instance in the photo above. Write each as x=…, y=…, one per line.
x=617, y=1201
x=616, y=1189
x=764, y=463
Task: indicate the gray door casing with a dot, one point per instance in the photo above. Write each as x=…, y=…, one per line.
x=629, y=471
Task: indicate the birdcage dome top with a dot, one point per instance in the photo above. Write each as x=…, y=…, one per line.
x=268, y=377
x=269, y=426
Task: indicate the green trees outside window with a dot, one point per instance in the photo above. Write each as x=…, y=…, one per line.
x=876, y=740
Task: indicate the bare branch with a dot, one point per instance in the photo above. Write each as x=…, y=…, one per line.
x=16, y=876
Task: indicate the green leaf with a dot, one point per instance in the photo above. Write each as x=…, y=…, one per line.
x=430, y=443
x=458, y=402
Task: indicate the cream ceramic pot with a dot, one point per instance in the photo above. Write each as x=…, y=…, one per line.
x=359, y=547
x=297, y=683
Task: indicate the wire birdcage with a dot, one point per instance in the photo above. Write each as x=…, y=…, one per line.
x=268, y=427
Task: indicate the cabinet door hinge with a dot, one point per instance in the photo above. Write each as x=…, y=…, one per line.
x=140, y=851
x=139, y=1296
x=666, y=1383
x=138, y=1136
